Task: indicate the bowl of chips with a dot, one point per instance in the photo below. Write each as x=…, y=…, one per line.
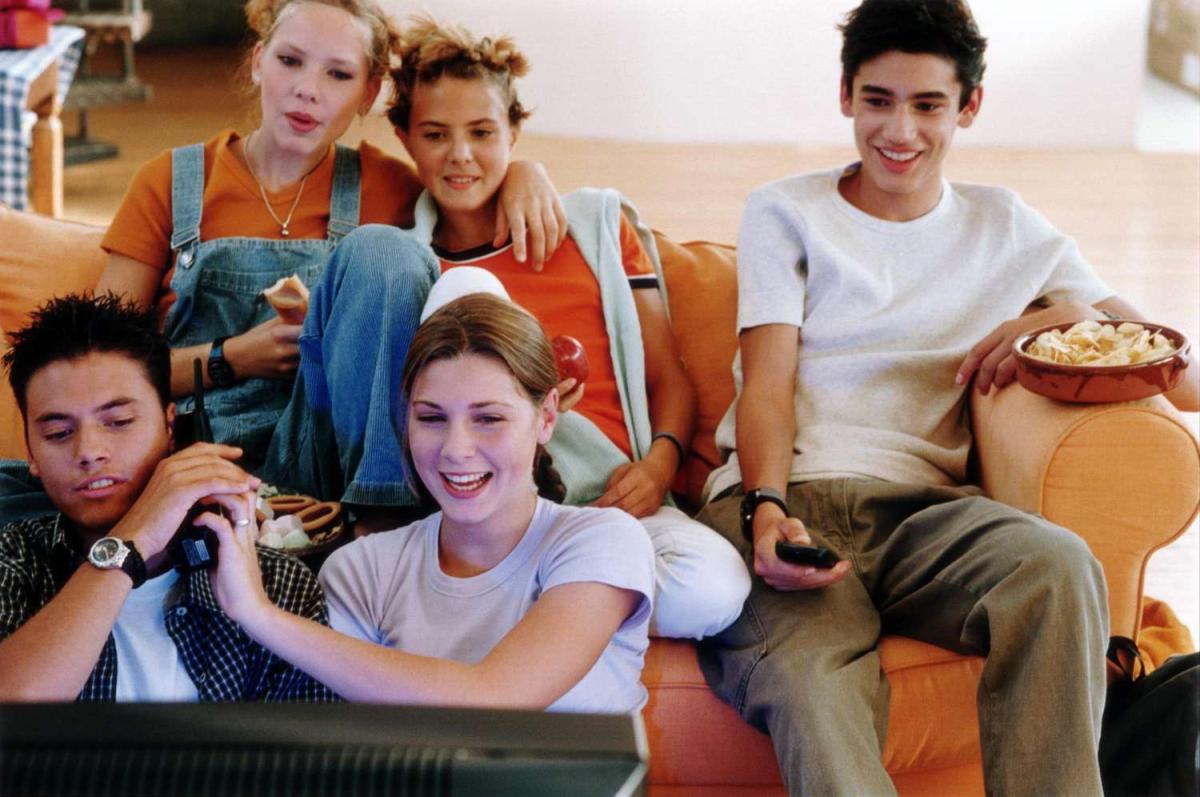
x=1092, y=362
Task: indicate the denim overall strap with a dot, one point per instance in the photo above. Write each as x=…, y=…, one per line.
x=345, y=195
x=187, y=197
x=218, y=287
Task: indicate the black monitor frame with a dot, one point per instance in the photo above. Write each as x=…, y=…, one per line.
x=292, y=750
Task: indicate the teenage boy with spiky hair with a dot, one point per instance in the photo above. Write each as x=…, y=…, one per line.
x=90, y=607
x=868, y=297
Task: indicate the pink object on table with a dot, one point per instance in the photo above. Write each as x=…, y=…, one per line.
x=28, y=26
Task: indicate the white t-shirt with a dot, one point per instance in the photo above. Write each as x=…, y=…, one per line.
x=887, y=312
x=149, y=665
x=389, y=588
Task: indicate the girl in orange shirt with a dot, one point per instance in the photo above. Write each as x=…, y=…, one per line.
x=457, y=112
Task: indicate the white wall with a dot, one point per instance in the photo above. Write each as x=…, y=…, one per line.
x=1061, y=73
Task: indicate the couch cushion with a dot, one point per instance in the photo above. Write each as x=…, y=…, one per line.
x=702, y=292
x=12, y=430
x=43, y=257
x=697, y=739
x=40, y=257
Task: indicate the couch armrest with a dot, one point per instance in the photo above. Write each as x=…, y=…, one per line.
x=1125, y=477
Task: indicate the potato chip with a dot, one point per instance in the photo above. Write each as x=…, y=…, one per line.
x=1095, y=343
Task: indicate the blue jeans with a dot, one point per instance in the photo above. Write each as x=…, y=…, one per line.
x=938, y=564
x=341, y=434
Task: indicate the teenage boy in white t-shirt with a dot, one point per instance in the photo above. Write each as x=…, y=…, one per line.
x=868, y=297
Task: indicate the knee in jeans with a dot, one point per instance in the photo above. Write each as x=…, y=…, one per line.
x=789, y=685
x=1063, y=560
x=379, y=254
x=372, y=236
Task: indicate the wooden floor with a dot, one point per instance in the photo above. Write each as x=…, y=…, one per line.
x=1136, y=216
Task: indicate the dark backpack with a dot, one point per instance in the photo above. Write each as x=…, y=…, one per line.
x=1150, y=734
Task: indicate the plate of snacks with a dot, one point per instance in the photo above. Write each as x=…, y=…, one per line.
x=1093, y=362
x=298, y=524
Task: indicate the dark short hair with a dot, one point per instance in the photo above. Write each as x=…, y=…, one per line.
x=74, y=326
x=938, y=27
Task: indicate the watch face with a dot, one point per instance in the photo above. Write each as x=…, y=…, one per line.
x=105, y=550
x=220, y=372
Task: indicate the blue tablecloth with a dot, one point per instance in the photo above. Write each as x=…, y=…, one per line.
x=18, y=69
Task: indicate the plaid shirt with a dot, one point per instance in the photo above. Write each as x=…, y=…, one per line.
x=37, y=559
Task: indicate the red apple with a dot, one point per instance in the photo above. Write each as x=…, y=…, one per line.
x=570, y=358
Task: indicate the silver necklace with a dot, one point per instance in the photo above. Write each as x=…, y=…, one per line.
x=284, y=222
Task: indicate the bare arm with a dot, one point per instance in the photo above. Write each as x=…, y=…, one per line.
x=766, y=428
x=640, y=487
x=51, y=656
x=130, y=278
x=552, y=647
x=269, y=350
x=766, y=415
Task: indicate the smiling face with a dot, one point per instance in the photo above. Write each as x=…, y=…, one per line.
x=472, y=435
x=905, y=108
x=96, y=429
x=314, y=77
x=461, y=140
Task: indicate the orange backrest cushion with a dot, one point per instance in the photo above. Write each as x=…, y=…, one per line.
x=702, y=292
x=12, y=431
x=42, y=257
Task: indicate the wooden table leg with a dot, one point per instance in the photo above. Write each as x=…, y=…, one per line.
x=46, y=154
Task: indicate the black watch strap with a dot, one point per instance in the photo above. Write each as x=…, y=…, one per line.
x=113, y=553
x=759, y=495
x=134, y=565
x=219, y=369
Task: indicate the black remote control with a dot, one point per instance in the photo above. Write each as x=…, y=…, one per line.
x=810, y=555
x=196, y=548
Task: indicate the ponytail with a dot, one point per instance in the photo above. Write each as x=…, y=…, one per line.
x=545, y=476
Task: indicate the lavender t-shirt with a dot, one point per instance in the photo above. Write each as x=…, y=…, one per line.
x=389, y=589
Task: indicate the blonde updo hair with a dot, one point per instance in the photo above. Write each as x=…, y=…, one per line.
x=264, y=17
x=429, y=50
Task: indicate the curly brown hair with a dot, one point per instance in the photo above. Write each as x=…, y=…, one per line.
x=428, y=50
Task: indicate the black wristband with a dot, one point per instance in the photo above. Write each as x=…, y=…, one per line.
x=750, y=503
x=219, y=369
x=674, y=441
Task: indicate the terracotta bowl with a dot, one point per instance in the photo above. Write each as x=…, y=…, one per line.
x=1101, y=384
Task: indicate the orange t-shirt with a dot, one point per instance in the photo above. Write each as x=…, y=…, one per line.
x=565, y=297
x=234, y=207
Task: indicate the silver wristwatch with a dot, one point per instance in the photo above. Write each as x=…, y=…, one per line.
x=113, y=553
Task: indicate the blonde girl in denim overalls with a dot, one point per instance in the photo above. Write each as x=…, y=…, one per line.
x=333, y=430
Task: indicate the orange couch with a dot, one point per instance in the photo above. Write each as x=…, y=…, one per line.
x=1125, y=477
